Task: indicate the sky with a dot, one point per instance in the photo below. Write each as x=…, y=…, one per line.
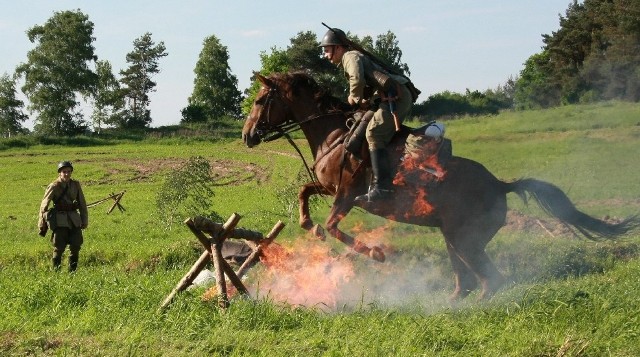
x=448, y=45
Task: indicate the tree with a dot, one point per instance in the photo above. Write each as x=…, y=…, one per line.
x=276, y=62
x=108, y=102
x=386, y=48
x=137, y=79
x=305, y=53
x=215, y=90
x=11, y=115
x=57, y=71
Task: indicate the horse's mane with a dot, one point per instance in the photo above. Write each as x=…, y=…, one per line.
x=299, y=81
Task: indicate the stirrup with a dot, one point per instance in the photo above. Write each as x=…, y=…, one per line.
x=375, y=194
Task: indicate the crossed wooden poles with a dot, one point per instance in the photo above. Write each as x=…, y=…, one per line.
x=218, y=233
x=116, y=197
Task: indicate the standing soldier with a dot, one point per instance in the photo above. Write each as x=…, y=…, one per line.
x=64, y=220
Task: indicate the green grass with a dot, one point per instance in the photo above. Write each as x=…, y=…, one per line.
x=564, y=297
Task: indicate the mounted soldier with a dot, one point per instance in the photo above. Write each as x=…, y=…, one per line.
x=376, y=88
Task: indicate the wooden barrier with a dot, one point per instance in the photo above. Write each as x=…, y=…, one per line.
x=116, y=197
x=217, y=234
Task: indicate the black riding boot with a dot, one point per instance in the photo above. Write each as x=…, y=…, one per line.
x=56, y=261
x=73, y=263
x=382, y=185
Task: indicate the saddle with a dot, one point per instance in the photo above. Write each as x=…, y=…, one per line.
x=409, y=149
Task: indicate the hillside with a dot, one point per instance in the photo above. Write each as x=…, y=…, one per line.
x=565, y=296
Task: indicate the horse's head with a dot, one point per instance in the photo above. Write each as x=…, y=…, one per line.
x=270, y=112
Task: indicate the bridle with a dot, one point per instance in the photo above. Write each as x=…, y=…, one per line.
x=263, y=124
x=289, y=125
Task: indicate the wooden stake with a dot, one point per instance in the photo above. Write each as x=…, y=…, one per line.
x=187, y=279
x=255, y=255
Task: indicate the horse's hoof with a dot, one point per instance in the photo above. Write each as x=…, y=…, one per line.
x=377, y=254
x=318, y=232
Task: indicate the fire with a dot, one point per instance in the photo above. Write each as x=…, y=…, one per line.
x=305, y=273
x=418, y=169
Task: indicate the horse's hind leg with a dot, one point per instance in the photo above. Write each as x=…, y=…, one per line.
x=305, y=192
x=468, y=248
x=465, y=279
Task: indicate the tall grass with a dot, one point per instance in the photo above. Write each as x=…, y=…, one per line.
x=565, y=296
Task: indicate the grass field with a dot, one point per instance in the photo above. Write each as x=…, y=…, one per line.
x=565, y=296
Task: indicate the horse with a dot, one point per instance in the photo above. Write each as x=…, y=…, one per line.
x=467, y=203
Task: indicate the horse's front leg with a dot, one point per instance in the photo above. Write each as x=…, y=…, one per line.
x=305, y=192
x=340, y=208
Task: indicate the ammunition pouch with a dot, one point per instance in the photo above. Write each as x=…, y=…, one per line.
x=50, y=218
x=384, y=81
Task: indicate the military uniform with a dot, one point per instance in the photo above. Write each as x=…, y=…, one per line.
x=359, y=70
x=68, y=221
x=368, y=80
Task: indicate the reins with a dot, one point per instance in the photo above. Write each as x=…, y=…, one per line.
x=289, y=126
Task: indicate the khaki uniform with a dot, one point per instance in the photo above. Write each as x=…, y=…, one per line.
x=359, y=69
x=69, y=222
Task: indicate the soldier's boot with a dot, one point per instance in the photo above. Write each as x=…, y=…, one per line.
x=382, y=185
x=56, y=261
x=73, y=263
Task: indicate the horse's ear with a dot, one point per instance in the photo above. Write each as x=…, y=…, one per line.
x=264, y=80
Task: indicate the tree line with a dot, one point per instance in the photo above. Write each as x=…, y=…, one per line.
x=594, y=55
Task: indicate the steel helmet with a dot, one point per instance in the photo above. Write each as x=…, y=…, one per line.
x=333, y=37
x=434, y=130
x=63, y=164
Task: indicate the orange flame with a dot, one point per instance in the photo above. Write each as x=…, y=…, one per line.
x=303, y=274
x=417, y=169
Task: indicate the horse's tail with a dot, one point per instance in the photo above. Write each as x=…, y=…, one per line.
x=556, y=203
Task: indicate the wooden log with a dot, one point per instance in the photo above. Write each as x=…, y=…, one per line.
x=219, y=262
x=257, y=252
x=221, y=267
x=212, y=228
x=187, y=279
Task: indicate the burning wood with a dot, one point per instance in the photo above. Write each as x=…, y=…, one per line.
x=218, y=233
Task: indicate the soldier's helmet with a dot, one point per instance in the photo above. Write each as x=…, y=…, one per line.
x=63, y=164
x=333, y=37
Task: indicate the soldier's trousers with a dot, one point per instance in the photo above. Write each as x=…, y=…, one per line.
x=62, y=237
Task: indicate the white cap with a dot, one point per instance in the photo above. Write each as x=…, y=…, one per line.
x=435, y=130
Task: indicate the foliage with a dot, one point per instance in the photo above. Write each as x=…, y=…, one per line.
x=11, y=115
x=276, y=61
x=137, y=79
x=108, y=103
x=448, y=104
x=186, y=192
x=594, y=55
x=57, y=70
x=304, y=53
x=564, y=297
x=215, y=92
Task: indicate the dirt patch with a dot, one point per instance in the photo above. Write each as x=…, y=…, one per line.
x=223, y=172
x=518, y=221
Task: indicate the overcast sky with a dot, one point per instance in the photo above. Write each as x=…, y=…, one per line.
x=448, y=45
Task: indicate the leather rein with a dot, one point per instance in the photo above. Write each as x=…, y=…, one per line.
x=288, y=126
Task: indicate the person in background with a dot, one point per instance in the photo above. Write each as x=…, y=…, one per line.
x=69, y=216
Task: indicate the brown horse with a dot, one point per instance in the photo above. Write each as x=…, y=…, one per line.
x=468, y=203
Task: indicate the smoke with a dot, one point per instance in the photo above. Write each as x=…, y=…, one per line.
x=310, y=273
